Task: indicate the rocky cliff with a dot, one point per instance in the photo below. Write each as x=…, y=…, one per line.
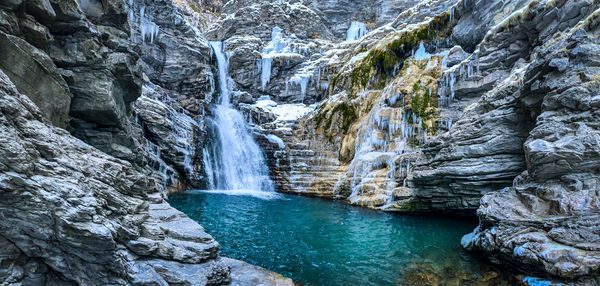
x=102, y=105
x=74, y=215
x=449, y=106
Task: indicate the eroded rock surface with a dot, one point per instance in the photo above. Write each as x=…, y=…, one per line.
x=548, y=219
x=74, y=215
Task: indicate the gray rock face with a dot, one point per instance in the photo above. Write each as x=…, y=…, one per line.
x=484, y=150
x=548, y=219
x=73, y=215
x=178, y=86
x=34, y=74
x=174, y=137
x=98, y=63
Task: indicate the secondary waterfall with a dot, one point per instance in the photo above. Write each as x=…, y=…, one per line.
x=233, y=161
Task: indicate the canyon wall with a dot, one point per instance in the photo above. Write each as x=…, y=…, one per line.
x=102, y=106
x=447, y=107
x=462, y=107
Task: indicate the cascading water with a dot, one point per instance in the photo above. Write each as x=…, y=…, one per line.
x=233, y=161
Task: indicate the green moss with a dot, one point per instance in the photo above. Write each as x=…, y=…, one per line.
x=334, y=81
x=194, y=7
x=385, y=61
x=417, y=86
x=359, y=76
x=320, y=114
x=369, y=107
x=348, y=115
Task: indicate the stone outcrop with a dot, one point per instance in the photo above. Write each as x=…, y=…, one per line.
x=95, y=59
x=74, y=215
x=547, y=220
x=34, y=74
x=92, y=46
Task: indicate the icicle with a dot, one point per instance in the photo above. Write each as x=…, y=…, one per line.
x=278, y=47
x=421, y=54
x=148, y=29
x=451, y=83
x=356, y=31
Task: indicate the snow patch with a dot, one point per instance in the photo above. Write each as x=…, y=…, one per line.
x=274, y=139
x=284, y=112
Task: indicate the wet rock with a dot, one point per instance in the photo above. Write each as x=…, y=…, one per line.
x=243, y=273
x=423, y=273
x=175, y=134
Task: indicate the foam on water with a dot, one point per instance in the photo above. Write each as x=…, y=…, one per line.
x=241, y=192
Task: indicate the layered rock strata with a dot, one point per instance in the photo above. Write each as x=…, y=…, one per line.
x=74, y=215
x=547, y=220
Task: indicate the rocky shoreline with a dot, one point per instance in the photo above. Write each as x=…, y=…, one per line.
x=440, y=106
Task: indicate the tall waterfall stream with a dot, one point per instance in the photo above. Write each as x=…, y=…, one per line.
x=234, y=162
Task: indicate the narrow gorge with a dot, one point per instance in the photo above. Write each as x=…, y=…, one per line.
x=300, y=142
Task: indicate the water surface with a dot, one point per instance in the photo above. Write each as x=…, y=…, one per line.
x=321, y=242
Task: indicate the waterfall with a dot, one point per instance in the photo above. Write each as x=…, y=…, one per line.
x=233, y=161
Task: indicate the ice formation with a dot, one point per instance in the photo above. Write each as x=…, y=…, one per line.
x=356, y=31
x=279, y=47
